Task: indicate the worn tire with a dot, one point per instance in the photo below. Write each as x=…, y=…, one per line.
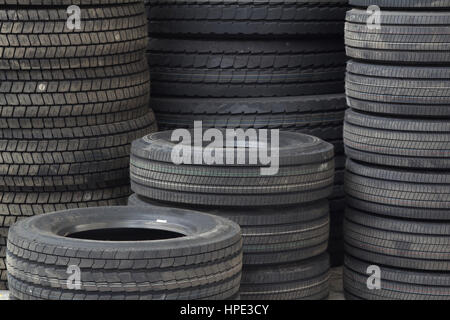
x=304, y=280
x=272, y=235
x=399, y=90
x=306, y=173
x=281, y=18
x=409, y=143
x=400, y=243
x=403, y=37
x=205, y=265
x=35, y=38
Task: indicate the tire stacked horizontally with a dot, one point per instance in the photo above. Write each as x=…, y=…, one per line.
x=71, y=102
x=284, y=217
x=125, y=253
x=397, y=135
x=253, y=64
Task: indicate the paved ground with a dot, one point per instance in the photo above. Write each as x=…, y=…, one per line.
x=336, y=292
x=3, y=295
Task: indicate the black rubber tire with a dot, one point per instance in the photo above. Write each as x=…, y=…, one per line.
x=246, y=54
x=430, y=4
x=18, y=204
x=409, y=143
x=73, y=98
x=400, y=243
x=281, y=18
x=315, y=115
x=404, y=37
x=69, y=156
x=38, y=38
x=414, y=194
x=204, y=263
x=306, y=173
x=396, y=284
x=304, y=280
x=272, y=235
x=403, y=90
x=232, y=83
x=64, y=2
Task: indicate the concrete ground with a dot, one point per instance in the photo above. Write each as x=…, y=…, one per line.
x=336, y=291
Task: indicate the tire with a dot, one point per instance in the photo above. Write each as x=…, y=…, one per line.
x=430, y=4
x=272, y=235
x=305, y=280
x=205, y=263
x=403, y=37
x=64, y=2
x=234, y=83
x=301, y=113
x=69, y=156
x=246, y=18
x=398, y=243
x=38, y=38
x=396, y=284
x=19, y=204
x=399, y=90
x=33, y=99
x=408, y=143
x=414, y=194
x=306, y=171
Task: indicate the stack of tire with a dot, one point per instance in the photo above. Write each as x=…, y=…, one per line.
x=71, y=102
x=397, y=135
x=284, y=217
x=253, y=64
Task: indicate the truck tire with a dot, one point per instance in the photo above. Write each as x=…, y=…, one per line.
x=195, y=255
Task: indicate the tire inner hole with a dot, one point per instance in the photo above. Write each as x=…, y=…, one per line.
x=125, y=234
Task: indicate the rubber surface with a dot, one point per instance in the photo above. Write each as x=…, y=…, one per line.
x=38, y=38
x=204, y=263
x=271, y=235
x=409, y=143
x=400, y=90
x=396, y=284
x=18, y=204
x=246, y=18
x=416, y=194
x=305, y=280
x=402, y=36
x=305, y=173
x=432, y=4
x=413, y=245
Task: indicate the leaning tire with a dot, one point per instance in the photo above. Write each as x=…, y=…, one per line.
x=197, y=256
